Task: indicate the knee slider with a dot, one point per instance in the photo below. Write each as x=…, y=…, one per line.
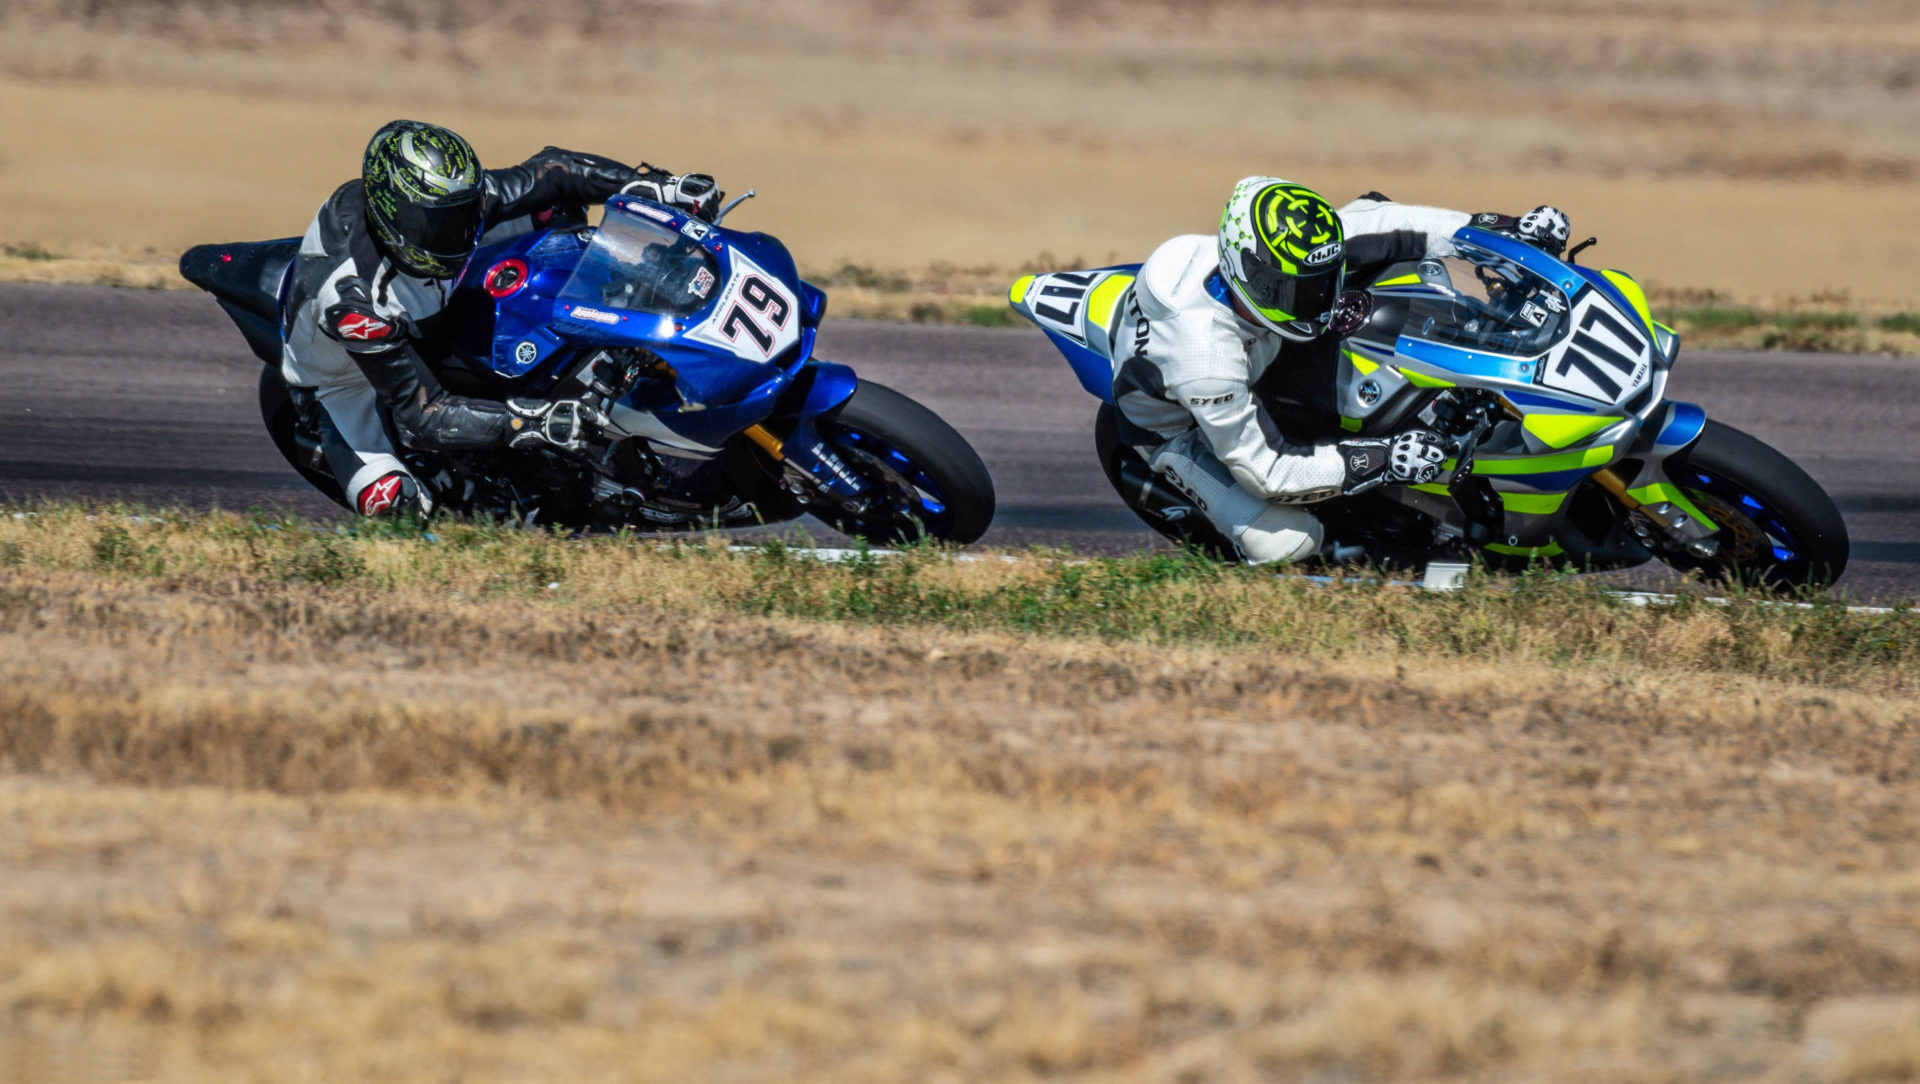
x=1279, y=535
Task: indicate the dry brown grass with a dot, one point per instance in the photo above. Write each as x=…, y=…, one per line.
x=1765, y=150
x=283, y=805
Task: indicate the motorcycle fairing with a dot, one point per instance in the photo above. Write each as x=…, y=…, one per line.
x=1565, y=428
x=736, y=338
x=1077, y=310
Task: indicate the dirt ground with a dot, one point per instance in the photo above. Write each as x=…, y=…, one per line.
x=1765, y=150
x=394, y=811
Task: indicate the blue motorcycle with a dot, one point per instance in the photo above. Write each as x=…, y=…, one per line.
x=697, y=343
x=1549, y=377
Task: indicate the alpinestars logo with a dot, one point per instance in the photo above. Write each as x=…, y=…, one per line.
x=358, y=325
x=382, y=494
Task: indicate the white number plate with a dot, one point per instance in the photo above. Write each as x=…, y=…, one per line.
x=1606, y=358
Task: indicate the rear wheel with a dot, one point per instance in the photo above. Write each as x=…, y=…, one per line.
x=1778, y=528
x=283, y=426
x=1175, y=517
x=931, y=482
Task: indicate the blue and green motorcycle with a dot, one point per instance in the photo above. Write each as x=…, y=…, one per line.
x=1550, y=379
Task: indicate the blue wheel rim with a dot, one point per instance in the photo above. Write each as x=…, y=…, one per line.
x=1781, y=535
x=928, y=498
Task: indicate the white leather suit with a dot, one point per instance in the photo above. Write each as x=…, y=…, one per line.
x=1186, y=365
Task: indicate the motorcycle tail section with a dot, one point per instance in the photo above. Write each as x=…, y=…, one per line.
x=1078, y=310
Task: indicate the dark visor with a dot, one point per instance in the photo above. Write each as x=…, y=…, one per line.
x=1299, y=297
x=446, y=230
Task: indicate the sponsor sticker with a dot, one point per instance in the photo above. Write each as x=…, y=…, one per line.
x=648, y=210
x=696, y=229
x=526, y=353
x=1534, y=314
x=594, y=316
x=702, y=283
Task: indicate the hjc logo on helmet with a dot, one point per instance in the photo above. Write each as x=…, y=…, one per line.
x=1324, y=254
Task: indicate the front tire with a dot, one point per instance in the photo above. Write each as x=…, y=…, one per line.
x=933, y=484
x=1778, y=528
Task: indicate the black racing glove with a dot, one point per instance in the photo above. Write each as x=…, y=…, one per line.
x=1410, y=458
x=1545, y=228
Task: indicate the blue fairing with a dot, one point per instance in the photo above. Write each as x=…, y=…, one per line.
x=833, y=384
x=1095, y=371
x=1565, y=276
x=1684, y=423
x=726, y=310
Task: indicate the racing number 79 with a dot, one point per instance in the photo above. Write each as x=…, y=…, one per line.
x=758, y=295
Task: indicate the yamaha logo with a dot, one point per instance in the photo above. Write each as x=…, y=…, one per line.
x=526, y=353
x=1326, y=253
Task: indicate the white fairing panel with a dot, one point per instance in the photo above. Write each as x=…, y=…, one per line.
x=1605, y=358
x=757, y=317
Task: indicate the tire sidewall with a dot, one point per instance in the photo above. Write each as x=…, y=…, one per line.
x=932, y=444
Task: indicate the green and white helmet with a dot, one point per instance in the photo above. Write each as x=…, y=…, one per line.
x=424, y=197
x=1283, y=252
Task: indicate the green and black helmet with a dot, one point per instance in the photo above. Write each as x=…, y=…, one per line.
x=1283, y=251
x=423, y=197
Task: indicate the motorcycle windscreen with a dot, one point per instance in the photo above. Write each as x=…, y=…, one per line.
x=636, y=265
x=1480, y=300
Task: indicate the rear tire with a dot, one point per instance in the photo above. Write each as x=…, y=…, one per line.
x=1778, y=528
x=1117, y=460
x=938, y=488
x=282, y=422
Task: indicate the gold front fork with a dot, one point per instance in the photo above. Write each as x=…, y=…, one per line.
x=1611, y=481
x=759, y=435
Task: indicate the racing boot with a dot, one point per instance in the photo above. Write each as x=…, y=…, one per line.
x=395, y=495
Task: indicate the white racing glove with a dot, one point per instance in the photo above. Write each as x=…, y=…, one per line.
x=694, y=193
x=1546, y=229
x=565, y=425
x=1410, y=458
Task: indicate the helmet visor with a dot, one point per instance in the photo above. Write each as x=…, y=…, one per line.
x=445, y=231
x=1283, y=298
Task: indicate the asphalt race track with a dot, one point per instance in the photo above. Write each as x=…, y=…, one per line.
x=148, y=396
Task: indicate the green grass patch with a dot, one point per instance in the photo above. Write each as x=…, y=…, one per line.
x=1180, y=600
x=1187, y=600
x=1906, y=322
x=1709, y=318
x=33, y=253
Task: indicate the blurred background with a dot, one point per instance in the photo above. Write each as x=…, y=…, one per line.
x=1737, y=149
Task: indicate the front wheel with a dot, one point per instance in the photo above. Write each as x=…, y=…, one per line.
x=1778, y=528
x=929, y=482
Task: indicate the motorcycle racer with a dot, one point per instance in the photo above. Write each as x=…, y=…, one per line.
x=1211, y=317
x=373, y=274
